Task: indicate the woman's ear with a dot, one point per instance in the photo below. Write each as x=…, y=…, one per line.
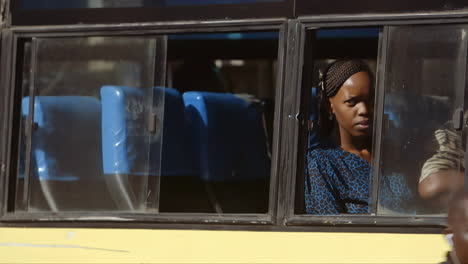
x=330, y=106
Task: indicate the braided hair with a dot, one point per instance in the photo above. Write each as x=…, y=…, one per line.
x=330, y=82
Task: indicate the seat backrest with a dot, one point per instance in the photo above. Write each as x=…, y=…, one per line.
x=119, y=132
x=66, y=141
x=229, y=137
x=67, y=147
x=66, y=157
x=124, y=146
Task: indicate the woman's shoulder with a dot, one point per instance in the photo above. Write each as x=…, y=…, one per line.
x=318, y=160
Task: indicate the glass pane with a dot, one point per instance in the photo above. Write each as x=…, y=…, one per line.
x=218, y=159
x=422, y=153
x=92, y=140
x=338, y=96
x=60, y=4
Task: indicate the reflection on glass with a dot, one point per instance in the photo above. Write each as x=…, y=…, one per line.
x=61, y=4
x=218, y=160
x=90, y=149
x=422, y=153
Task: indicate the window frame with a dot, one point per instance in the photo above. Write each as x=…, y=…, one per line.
x=3, y=12
x=382, y=21
x=9, y=59
x=304, y=7
x=148, y=14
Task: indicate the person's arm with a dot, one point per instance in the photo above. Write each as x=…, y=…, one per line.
x=443, y=172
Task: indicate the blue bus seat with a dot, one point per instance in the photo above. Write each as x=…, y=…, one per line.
x=119, y=152
x=66, y=148
x=56, y=118
x=229, y=136
x=177, y=149
x=231, y=148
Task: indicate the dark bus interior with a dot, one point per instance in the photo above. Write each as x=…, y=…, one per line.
x=237, y=63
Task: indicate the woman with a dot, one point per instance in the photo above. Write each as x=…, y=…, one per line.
x=337, y=179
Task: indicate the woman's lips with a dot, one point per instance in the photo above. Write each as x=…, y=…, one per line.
x=363, y=124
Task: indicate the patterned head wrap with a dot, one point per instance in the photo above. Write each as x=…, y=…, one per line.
x=338, y=72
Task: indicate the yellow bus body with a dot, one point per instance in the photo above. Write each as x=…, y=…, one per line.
x=76, y=245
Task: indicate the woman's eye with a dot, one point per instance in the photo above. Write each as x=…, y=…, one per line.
x=350, y=102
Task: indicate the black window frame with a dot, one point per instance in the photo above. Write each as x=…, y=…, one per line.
x=3, y=9
x=305, y=7
x=11, y=88
x=320, y=22
x=148, y=14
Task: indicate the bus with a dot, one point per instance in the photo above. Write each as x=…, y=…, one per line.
x=157, y=131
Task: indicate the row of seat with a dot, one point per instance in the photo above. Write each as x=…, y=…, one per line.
x=216, y=137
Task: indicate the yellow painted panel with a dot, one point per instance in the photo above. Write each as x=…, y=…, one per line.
x=53, y=245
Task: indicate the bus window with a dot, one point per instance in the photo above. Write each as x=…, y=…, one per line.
x=421, y=158
x=338, y=94
x=72, y=123
x=421, y=146
x=101, y=132
x=227, y=85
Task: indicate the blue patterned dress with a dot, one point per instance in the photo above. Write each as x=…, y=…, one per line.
x=337, y=182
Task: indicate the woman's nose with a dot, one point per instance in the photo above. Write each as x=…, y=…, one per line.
x=363, y=109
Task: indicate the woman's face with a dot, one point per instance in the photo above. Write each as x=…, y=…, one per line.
x=352, y=105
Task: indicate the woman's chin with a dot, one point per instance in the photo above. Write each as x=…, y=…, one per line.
x=361, y=132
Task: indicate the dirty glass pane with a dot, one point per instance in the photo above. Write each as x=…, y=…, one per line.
x=422, y=152
x=60, y=4
x=93, y=144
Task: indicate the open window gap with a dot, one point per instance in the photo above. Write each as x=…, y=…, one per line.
x=325, y=47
